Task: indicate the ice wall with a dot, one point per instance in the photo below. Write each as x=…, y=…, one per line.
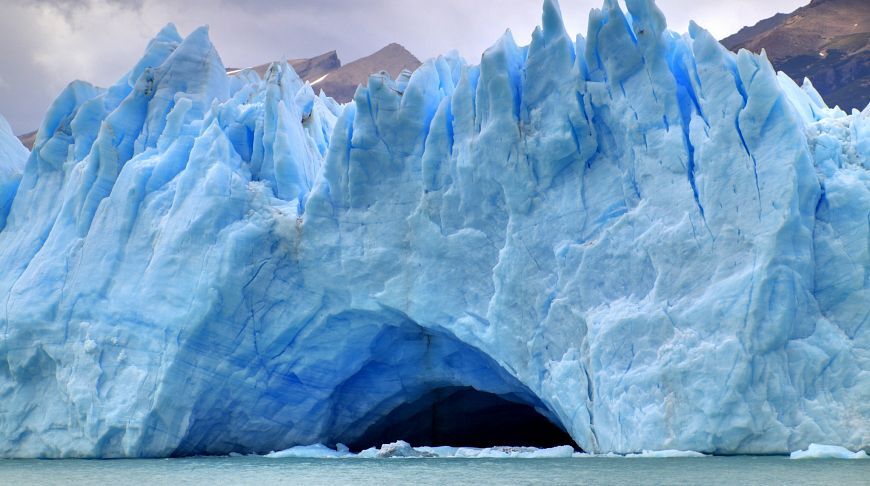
x=12, y=157
x=657, y=243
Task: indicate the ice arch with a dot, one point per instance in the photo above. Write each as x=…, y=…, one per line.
x=368, y=376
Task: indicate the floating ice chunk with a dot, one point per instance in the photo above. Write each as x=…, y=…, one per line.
x=399, y=448
x=441, y=451
x=314, y=451
x=535, y=453
x=489, y=453
x=403, y=449
x=499, y=452
x=821, y=451
x=370, y=453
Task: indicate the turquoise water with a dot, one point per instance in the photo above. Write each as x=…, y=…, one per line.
x=263, y=471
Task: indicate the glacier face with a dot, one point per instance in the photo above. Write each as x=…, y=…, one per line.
x=656, y=243
x=12, y=157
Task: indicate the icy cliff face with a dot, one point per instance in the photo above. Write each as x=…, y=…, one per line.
x=12, y=157
x=654, y=242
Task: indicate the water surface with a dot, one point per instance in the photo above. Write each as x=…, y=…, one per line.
x=261, y=471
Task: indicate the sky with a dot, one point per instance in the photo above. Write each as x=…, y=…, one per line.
x=45, y=44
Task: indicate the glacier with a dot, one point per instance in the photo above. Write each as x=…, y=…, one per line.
x=12, y=158
x=653, y=242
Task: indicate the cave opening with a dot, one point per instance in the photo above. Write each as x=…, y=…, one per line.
x=366, y=378
x=462, y=416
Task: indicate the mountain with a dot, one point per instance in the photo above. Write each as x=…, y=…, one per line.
x=310, y=69
x=748, y=34
x=28, y=139
x=638, y=237
x=827, y=41
x=340, y=82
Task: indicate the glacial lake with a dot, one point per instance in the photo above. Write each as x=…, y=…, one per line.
x=262, y=471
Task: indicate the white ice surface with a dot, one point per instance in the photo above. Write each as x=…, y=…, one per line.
x=316, y=451
x=821, y=451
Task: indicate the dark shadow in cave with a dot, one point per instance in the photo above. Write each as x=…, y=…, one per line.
x=463, y=416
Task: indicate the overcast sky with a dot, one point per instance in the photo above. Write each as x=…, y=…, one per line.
x=45, y=44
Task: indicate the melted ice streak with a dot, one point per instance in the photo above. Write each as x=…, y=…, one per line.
x=655, y=242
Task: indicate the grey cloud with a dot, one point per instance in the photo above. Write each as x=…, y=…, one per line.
x=69, y=8
x=24, y=93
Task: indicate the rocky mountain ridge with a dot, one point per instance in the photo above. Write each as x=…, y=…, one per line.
x=827, y=41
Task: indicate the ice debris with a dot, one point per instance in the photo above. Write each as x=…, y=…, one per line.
x=821, y=451
x=402, y=449
x=314, y=451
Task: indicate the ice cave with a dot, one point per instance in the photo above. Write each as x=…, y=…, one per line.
x=383, y=378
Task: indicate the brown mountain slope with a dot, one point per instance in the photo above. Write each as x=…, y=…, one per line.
x=309, y=69
x=827, y=41
x=748, y=34
x=28, y=139
x=342, y=83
